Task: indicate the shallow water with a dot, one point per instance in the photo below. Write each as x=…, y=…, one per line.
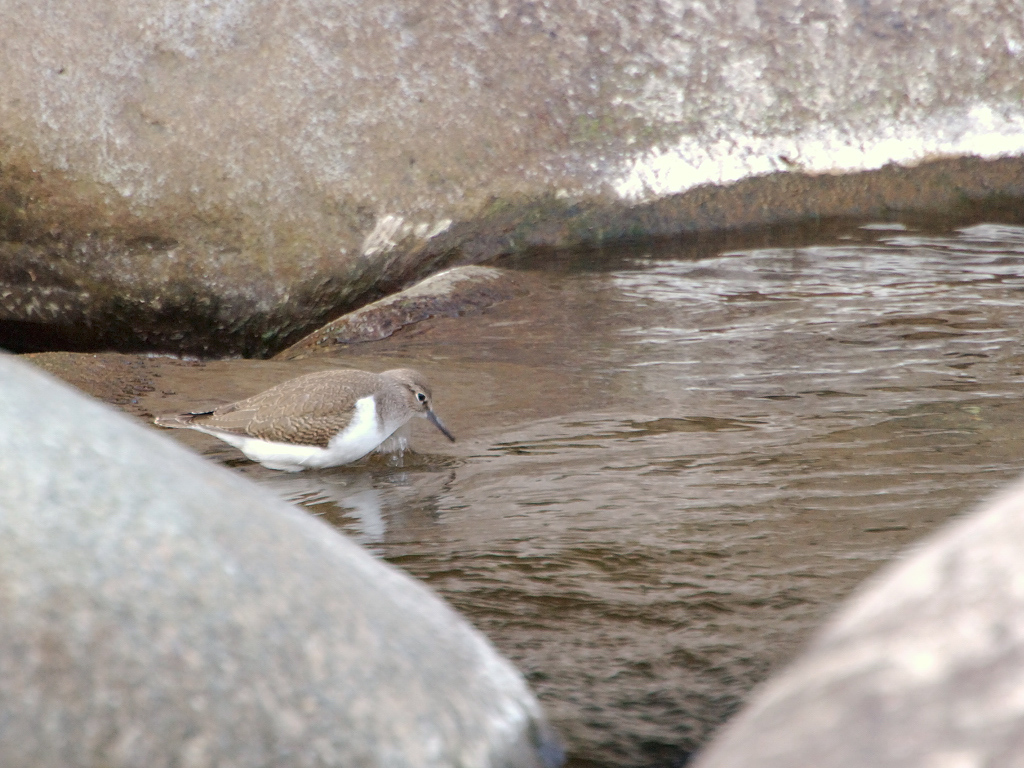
x=674, y=462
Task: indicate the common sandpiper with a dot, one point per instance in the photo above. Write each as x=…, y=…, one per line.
x=318, y=420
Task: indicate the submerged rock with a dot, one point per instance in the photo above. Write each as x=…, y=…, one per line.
x=450, y=293
x=156, y=610
x=923, y=668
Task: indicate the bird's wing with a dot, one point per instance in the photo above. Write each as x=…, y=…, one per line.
x=308, y=410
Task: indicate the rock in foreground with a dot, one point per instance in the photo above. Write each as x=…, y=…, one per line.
x=924, y=668
x=156, y=610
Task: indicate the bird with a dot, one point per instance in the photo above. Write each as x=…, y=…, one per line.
x=318, y=420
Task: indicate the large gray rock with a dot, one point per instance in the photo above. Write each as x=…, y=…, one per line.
x=156, y=610
x=211, y=176
x=925, y=667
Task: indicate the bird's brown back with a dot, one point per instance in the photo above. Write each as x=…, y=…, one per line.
x=309, y=410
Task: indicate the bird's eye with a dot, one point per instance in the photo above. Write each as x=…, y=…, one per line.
x=421, y=397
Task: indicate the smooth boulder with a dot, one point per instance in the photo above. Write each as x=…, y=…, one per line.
x=212, y=178
x=451, y=293
x=157, y=610
x=924, y=667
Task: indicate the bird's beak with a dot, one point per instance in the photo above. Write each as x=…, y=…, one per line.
x=437, y=423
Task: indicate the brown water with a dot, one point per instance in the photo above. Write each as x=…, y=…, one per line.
x=674, y=462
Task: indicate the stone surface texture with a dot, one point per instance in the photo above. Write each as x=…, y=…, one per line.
x=924, y=667
x=156, y=610
x=450, y=293
x=210, y=177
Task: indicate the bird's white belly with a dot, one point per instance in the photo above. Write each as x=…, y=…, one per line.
x=362, y=435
